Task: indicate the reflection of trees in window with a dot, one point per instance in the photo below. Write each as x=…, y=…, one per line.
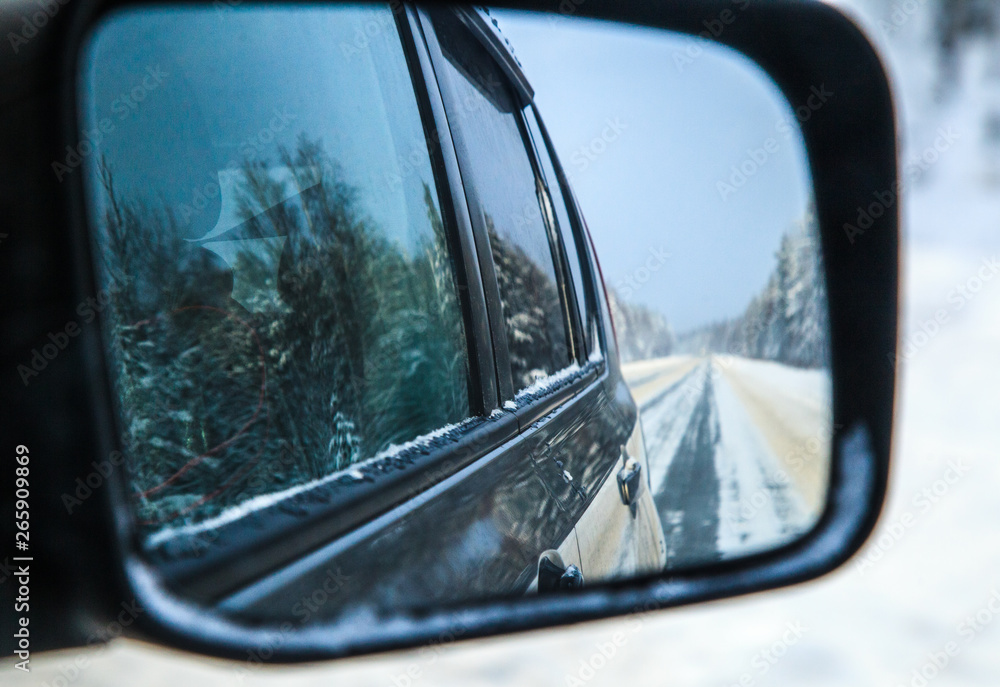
x=536, y=333
x=291, y=346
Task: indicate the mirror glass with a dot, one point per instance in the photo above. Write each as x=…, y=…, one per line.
x=406, y=308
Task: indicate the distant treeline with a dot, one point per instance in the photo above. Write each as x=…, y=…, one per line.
x=642, y=333
x=786, y=322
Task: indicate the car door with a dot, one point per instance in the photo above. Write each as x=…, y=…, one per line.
x=614, y=541
x=574, y=414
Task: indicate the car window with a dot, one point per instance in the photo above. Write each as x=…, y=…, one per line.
x=282, y=292
x=484, y=111
x=569, y=242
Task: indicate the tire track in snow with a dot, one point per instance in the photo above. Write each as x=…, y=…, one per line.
x=715, y=478
x=688, y=497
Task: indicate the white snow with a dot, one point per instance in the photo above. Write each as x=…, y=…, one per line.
x=760, y=506
x=540, y=386
x=806, y=387
x=596, y=355
x=761, y=501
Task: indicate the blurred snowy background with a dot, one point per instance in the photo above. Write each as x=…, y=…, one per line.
x=920, y=604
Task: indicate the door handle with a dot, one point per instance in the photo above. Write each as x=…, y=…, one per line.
x=554, y=575
x=630, y=482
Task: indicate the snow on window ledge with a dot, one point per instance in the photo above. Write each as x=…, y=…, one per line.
x=384, y=461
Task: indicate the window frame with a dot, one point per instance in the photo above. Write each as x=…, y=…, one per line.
x=229, y=556
x=482, y=380
x=586, y=316
x=564, y=279
x=594, y=293
x=523, y=94
x=487, y=269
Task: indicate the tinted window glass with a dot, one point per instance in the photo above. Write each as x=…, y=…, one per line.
x=484, y=108
x=283, y=296
x=565, y=228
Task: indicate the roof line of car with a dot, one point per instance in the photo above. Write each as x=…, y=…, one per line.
x=484, y=27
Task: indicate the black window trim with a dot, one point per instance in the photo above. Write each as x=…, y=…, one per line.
x=485, y=29
x=563, y=278
x=568, y=285
x=510, y=70
x=487, y=270
x=483, y=394
x=496, y=46
x=593, y=288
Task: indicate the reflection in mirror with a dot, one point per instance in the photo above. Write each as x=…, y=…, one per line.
x=691, y=171
x=356, y=331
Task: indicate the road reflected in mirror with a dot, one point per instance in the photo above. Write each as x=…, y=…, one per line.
x=691, y=172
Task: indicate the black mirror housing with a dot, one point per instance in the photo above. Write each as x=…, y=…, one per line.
x=88, y=583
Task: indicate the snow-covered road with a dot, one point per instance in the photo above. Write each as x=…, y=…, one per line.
x=738, y=451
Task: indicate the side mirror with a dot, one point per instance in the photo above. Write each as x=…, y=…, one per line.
x=338, y=331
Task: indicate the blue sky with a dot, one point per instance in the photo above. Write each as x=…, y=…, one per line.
x=648, y=123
